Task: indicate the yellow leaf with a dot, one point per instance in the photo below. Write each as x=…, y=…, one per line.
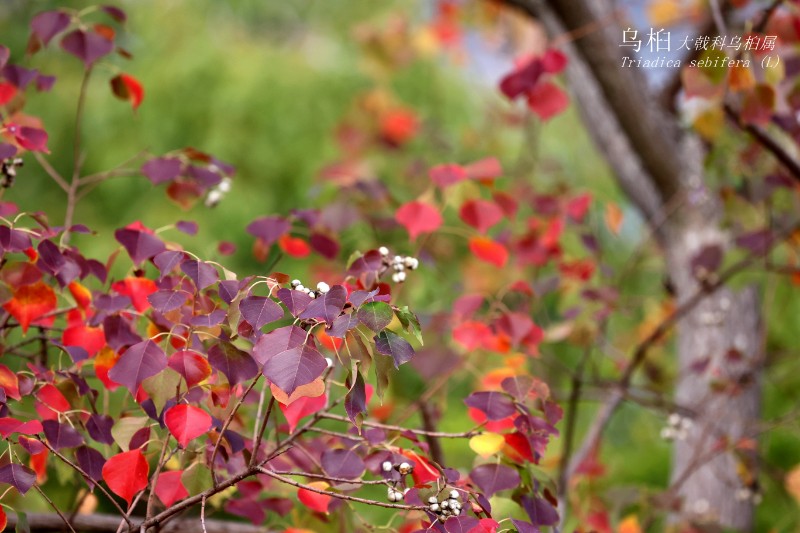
x=613, y=217
x=793, y=482
x=309, y=390
x=664, y=12
x=741, y=78
x=630, y=525
x=487, y=444
x=709, y=123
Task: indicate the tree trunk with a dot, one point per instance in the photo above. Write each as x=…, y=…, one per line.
x=719, y=354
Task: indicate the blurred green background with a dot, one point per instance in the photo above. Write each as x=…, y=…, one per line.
x=263, y=86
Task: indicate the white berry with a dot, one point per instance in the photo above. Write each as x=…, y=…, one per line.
x=454, y=494
x=299, y=287
x=434, y=507
x=296, y=283
x=386, y=466
x=384, y=251
x=445, y=504
x=323, y=287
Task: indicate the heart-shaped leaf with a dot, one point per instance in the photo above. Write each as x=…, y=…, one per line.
x=138, y=363
x=187, y=422
x=126, y=474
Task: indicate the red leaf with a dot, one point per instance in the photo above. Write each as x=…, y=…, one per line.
x=126, y=87
x=30, y=303
x=418, y=217
x=445, y=175
x=398, y=126
x=484, y=169
x=488, y=250
x=137, y=289
x=473, y=335
x=33, y=139
x=170, y=488
x=480, y=214
x=7, y=92
x=294, y=246
x=89, y=338
x=424, y=471
x=3, y=519
x=301, y=408
x=126, y=474
x=52, y=397
x=9, y=382
x=313, y=500
x=187, y=422
x=578, y=207
x=191, y=365
x=547, y=100
x=554, y=61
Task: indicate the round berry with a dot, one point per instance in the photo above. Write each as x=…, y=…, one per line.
x=386, y=466
x=404, y=468
x=296, y=283
x=299, y=287
x=323, y=287
x=445, y=504
x=434, y=507
x=401, y=277
x=454, y=494
x=384, y=251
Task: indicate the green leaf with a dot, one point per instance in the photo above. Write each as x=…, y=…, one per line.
x=375, y=315
x=197, y=478
x=410, y=323
x=162, y=387
x=125, y=428
x=358, y=350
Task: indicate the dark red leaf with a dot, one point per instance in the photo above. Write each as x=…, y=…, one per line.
x=91, y=461
x=480, y=214
x=236, y=364
x=18, y=476
x=126, y=87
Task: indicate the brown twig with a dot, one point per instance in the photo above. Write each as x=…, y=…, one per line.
x=438, y=434
x=226, y=424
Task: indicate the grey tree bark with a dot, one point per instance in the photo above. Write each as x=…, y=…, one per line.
x=660, y=167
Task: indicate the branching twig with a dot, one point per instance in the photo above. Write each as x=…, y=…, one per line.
x=438, y=434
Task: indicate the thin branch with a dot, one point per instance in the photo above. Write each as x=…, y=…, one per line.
x=337, y=495
x=438, y=434
x=333, y=479
x=53, y=173
x=261, y=429
x=767, y=141
x=225, y=426
x=105, y=523
x=53, y=505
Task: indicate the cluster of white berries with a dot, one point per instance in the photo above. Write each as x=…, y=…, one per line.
x=449, y=506
x=399, y=264
x=677, y=427
x=404, y=469
x=322, y=288
x=216, y=194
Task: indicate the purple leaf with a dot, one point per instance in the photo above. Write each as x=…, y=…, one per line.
x=48, y=24
x=7, y=150
x=99, y=428
x=706, y=261
x=277, y=342
x=167, y=261
x=91, y=461
x=325, y=246
x=208, y=321
x=269, y=229
x=61, y=435
x=140, y=437
x=524, y=527
x=461, y=524
x=540, y=511
x=294, y=367
x=119, y=333
x=246, y=508
x=518, y=386
x=260, y=311
x=76, y=353
x=18, y=476
x=187, y=226
x=355, y=402
x=165, y=301
x=138, y=363
x=357, y=298
x=139, y=244
x=236, y=364
x=495, y=405
x=228, y=290
x=757, y=242
x=18, y=76
x=87, y=46
x=493, y=478
x=342, y=324
x=327, y=306
x=295, y=301
x=13, y=240
x=115, y=13
x=44, y=83
x=343, y=464
x=32, y=446
x=389, y=343
x=203, y=274
x=161, y=169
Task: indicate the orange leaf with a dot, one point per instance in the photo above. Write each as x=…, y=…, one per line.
x=9, y=382
x=81, y=294
x=630, y=525
x=314, y=500
x=488, y=250
x=137, y=289
x=105, y=361
x=30, y=303
x=613, y=218
x=792, y=482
